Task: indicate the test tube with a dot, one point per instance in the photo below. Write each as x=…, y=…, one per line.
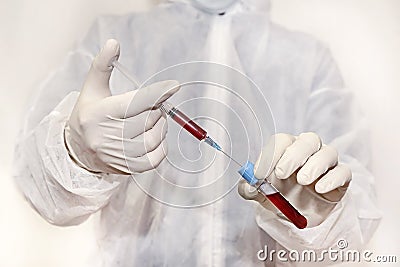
x=269, y=191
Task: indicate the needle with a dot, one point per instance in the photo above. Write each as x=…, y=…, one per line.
x=223, y=152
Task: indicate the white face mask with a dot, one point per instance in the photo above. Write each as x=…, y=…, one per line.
x=214, y=6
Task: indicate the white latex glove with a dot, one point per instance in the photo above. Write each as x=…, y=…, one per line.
x=306, y=172
x=118, y=134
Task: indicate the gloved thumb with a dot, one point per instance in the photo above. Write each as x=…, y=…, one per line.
x=249, y=192
x=97, y=81
x=246, y=191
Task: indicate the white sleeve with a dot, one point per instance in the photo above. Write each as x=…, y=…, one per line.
x=62, y=192
x=332, y=114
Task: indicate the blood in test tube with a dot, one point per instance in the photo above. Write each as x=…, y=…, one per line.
x=188, y=124
x=273, y=195
x=288, y=210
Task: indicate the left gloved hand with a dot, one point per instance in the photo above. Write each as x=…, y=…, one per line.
x=305, y=171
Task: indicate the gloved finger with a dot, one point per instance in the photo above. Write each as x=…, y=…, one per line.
x=97, y=81
x=137, y=125
x=134, y=102
x=129, y=165
x=297, y=154
x=271, y=153
x=144, y=143
x=130, y=127
x=338, y=177
x=150, y=160
x=317, y=165
x=137, y=146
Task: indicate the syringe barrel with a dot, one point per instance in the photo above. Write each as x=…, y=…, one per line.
x=184, y=121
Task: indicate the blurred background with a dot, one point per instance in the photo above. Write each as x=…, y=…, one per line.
x=364, y=36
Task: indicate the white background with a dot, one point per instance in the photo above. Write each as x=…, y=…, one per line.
x=364, y=36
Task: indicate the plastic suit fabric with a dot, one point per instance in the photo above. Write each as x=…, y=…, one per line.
x=306, y=93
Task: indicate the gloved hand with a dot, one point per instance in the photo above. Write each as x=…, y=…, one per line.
x=306, y=172
x=118, y=134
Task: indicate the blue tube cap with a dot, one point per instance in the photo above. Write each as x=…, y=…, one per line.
x=247, y=172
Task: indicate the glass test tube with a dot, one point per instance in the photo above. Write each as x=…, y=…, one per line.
x=273, y=195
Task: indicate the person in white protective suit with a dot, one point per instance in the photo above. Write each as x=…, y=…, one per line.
x=72, y=160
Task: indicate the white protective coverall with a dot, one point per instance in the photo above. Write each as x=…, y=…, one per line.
x=305, y=91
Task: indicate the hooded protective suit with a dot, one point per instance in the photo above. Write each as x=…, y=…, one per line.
x=295, y=73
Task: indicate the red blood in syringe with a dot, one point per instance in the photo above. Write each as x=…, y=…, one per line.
x=288, y=210
x=188, y=124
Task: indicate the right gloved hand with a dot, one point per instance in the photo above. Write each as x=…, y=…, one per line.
x=304, y=170
x=119, y=134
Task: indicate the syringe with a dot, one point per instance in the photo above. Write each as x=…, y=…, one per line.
x=174, y=113
x=188, y=124
x=264, y=187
